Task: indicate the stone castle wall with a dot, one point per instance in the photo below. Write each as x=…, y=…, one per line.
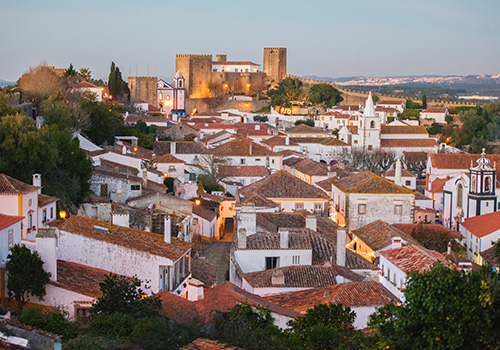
x=275, y=63
x=143, y=89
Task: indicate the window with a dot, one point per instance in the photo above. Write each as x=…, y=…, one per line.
x=104, y=190
x=195, y=221
x=296, y=260
x=299, y=206
x=372, y=125
x=460, y=195
x=135, y=187
x=51, y=213
x=361, y=209
x=171, y=168
x=30, y=220
x=180, y=83
x=257, y=159
x=44, y=215
x=370, y=147
x=407, y=182
x=398, y=209
x=161, y=96
x=272, y=262
x=242, y=161
x=318, y=207
x=487, y=184
x=11, y=238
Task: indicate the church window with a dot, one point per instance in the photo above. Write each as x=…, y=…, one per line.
x=161, y=96
x=487, y=184
x=460, y=195
x=372, y=125
x=180, y=83
x=473, y=184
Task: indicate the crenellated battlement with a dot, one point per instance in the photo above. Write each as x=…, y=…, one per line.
x=187, y=55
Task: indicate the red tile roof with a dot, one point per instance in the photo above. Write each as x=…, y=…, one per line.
x=178, y=309
x=86, y=85
x=310, y=167
x=43, y=200
x=244, y=170
x=168, y=158
x=437, y=185
x=131, y=238
x=435, y=110
x=490, y=255
x=351, y=294
x=9, y=185
x=390, y=102
x=283, y=185
x=483, y=225
x=242, y=146
x=224, y=297
x=301, y=276
x=368, y=182
x=378, y=235
x=204, y=213
x=409, y=143
x=305, y=129
x=414, y=258
x=460, y=161
x=403, y=129
x=410, y=229
x=278, y=141
x=271, y=241
x=234, y=63
x=9, y=220
x=404, y=173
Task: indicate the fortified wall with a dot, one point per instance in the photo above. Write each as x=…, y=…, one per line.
x=143, y=89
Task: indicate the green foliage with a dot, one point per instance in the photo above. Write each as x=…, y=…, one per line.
x=287, y=90
x=105, y=119
x=480, y=123
x=444, y=309
x=326, y=326
x=448, y=119
x=86, y=342
x=265, y=109
x=25, y=275
x=409, y=113
x=70, y=72
x=424, y=101
x=260, y=119
x=5, y=108
x=249, y=327
x=309, y=122
x=433, y=239
x=117, y=87
x=412, y=105
x=54, y=321
x=324, y=94
x=497, y=250
x=434, y=129
x=145, y=134
x=124, y=295
x=85, y=73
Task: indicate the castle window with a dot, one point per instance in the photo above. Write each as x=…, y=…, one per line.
x=460, y=195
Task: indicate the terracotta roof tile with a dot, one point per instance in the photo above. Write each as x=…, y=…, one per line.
x=460, y=161
x=148, y=242
x=351, y=294
x=9, y=220
x=182, y=147
x=178, y=309
x=260, y=201
x=242, y=146
x=390, y=102
x=168, y=158
x=403, y=129
x=224, y=297
x=368, y=182
x=283, y=185
x=483, y=225
x=437, y=185
x=404, y=173
x=305, y=129
x=244, y=170
x=414, y=258
x=234, y=63
x=85, y=85
x=271, y=241
x=378, y=235
x=310, y=167
x=9, y=185
x=301, y=276
x=278, y=141
x=410, y=229
x=435, y=110
x=490, y=256
x=204, y=271
x=204, y=213
x=388, y=143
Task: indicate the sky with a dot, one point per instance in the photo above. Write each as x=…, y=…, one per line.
x=327, y=38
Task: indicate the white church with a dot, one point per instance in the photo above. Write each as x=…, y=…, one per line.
x=172, y=97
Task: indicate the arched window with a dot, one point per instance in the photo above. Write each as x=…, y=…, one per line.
x=487, y=184
x=473, y=184
x=372, y=124
x=460, y=195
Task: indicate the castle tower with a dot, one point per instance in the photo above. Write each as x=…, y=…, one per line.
x=197, y=71
x=369, y=125
x=143, y=89
x=482, y=190
x=275, y=63
x=179, y=98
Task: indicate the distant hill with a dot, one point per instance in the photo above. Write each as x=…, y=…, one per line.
x=5, y=83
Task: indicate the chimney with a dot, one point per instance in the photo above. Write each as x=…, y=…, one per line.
x=144, y=177
x=250, y=148
x=284, y=235
x=46, y=248
x=167, y=229
x=37, y=181
x=396, y=243
x=278, y=277
x=287, y=140
x=448, y=250
x=195, y=289
x=341, y=242
x=311, y=222
x=121, y=218
x=242, y=238
x=247, y=218
x=257, y=127
x=134, y=142
x=173, y=147
x=198, y=137
x=398, y=172
x=124, y=150
x=119, y=194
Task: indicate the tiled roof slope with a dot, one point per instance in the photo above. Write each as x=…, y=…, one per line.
x=378, y=235
x=490, y=256
x=411, y=228
x=79, y=278
x=9, y=185
x=9, y=220
x=414, y=258
x=204, y=212
x=305, y=129
x=177, y=309
x=182, y=147
x=148, y=242
x=244, y=170
x=483, y=225
x=404, y=173
x=460, y=161
x=259, y=201
x=403, y=129
x=311, y=167
x=242, y=146
x=168, y=158
x=271, y=241
x=431, y=142
x=351, y=294
x=283, y=185
x=368, y=182
x=224, y=297
x=278, y=141
x=301, y=276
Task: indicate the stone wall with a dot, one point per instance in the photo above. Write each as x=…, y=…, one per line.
x=197, y=71
x=143, y=89
x=275, y=63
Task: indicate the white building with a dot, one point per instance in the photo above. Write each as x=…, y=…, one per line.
x=438, y=114
x=235, y=66
x=172, y=97
x=480, y=233
x=10, y=234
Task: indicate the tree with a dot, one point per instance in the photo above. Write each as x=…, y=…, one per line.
x=287, y=90
x=326, y=326
x=70, y=72
x=25, y=275
x=117, y=87
x=211, y=170
x=309, y=122
x=105, y=119
x=444, y=309
x=424, y=101
x=435, y=128
x=248, y=326
x=124, y=295
x=377, y=161
x=85, y=73
x=65, y=115
x=324, y=94
x=260, y=119
x=414, y=163
x=40, y=82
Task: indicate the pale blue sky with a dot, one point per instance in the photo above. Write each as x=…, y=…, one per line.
x=324, y=38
